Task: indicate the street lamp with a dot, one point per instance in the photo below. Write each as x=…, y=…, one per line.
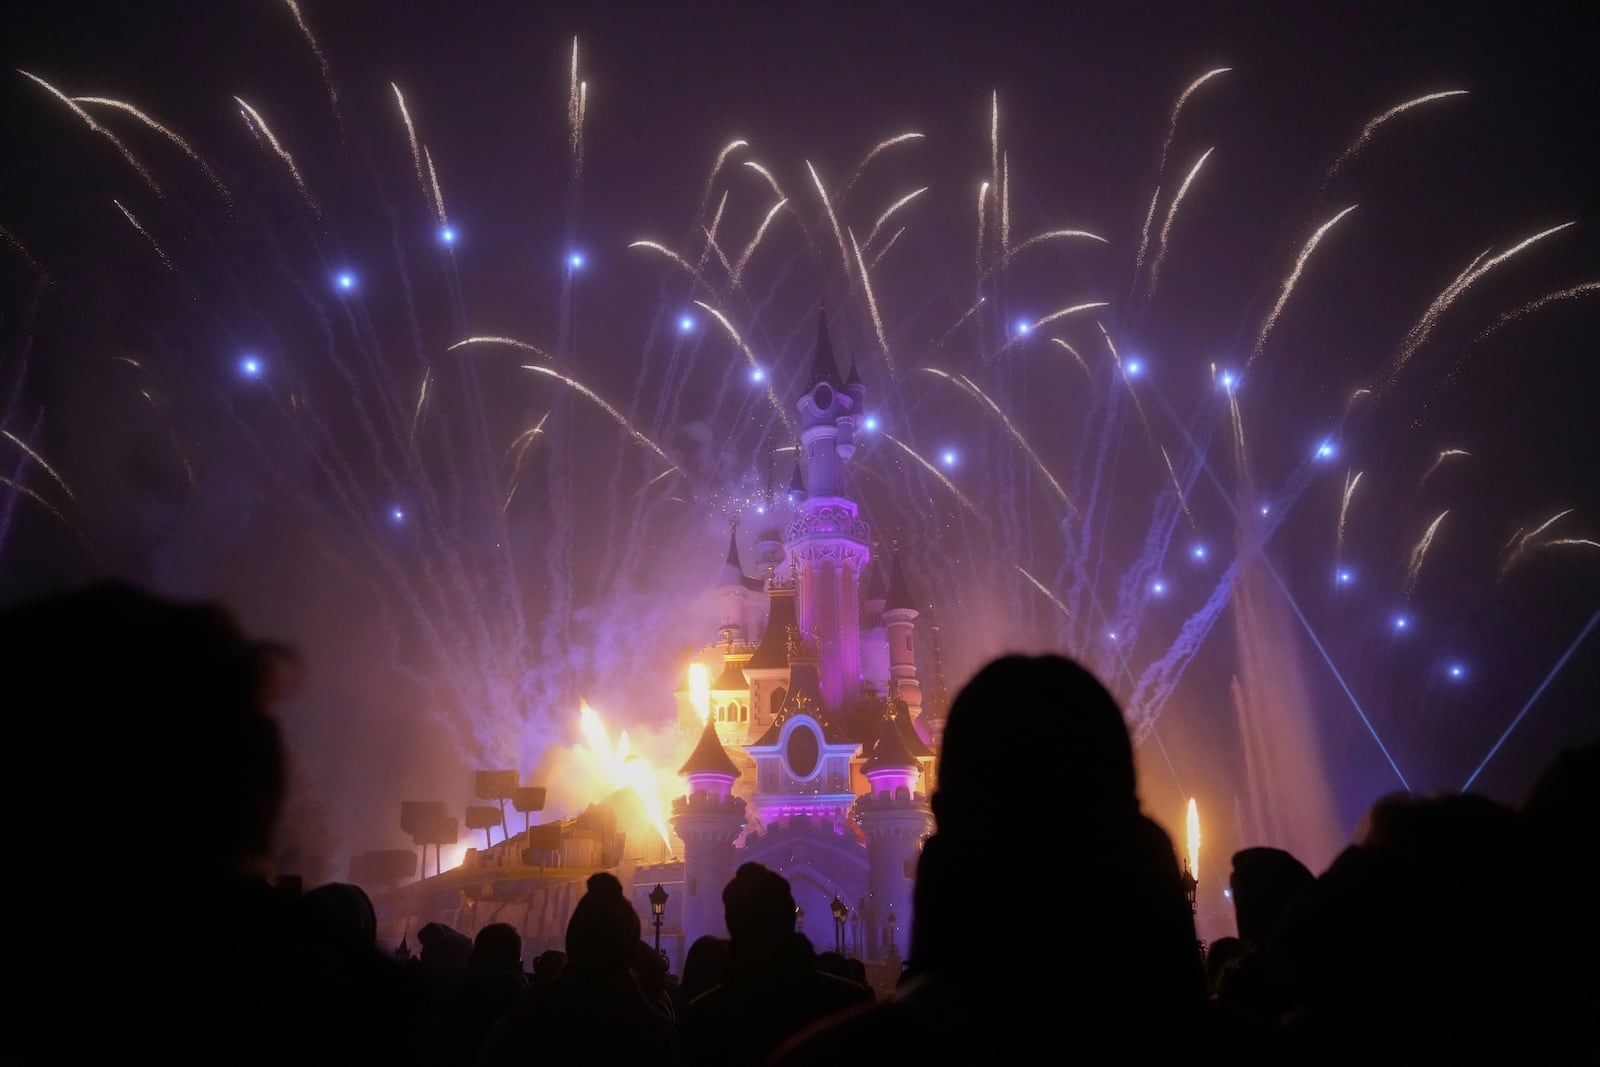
x=841, y=912
x=658, y=905
x=1191, y=888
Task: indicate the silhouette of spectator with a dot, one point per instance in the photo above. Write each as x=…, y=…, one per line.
x=1220, y=955
x=650, y=970
x=772, y=987
x=1248, y=999
x=845, y=967
x=171, y=703
x=1396, y=945
x=594, y=1011
x=474, y=997
x=992, y=989
x=1560, y=813
x=704, y=965
x=547, y=966
x=345, y=910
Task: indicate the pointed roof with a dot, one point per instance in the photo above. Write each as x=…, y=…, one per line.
x=890, y=748
x=797, y=484
x=733, y=569
x=854, y=377
x=899, y=595
x=823, y=366
x=732, y=677
x=804, y=698
x=773, y=651
x=709, y=757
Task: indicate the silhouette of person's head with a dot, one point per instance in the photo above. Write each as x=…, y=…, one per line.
x=758, y=907
x=603, y=930
x=122, y=681
x=1263, y=882
x=1093, y=774
x=498, y=946
x=444, y=948
x=704, y=965
x=343, y=909
x=547, y=965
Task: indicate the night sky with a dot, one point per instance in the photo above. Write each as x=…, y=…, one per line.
x=222, y=420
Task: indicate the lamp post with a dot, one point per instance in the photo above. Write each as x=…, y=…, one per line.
x=1191, y=890
x=658, y=905
x=841, y=912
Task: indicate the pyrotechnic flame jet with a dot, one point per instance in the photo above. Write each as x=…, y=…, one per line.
x=625, y=770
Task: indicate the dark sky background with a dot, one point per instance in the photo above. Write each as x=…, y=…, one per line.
x=464, y=633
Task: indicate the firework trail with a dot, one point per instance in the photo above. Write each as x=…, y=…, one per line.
x=621, y=419
x=1350, y=483
x=1289, y=283
x=322, y=62
x=258, y=123
x=1517, y=547
x=950, y=486
x=183, y=145
x=833, y=219
x=1172, y=124
x=971, y=389
x=127, y=153
x=873, y=153
x=40, y=460
x=411, y=134
x=1572, y=293
x=1371, y=127
x=1424, y=327
x=1414, y=567
x=511, y=341
x=889, y=211
x=1439, y=461
x=1045, y=589
x=1166, y=227
x=750, y=248
x=137, y=225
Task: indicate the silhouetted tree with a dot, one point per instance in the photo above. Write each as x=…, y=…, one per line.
x=527, y=799
x=429, y=823
x=498, y=786
x=482, y=817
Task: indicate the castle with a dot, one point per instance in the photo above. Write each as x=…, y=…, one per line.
x=818, y=748
x=817, y=742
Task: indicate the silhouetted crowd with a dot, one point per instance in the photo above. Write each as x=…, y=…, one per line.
x=1451, y=927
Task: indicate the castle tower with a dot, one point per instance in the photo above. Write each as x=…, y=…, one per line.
x=708, y=821
x=827, y=540
x=899, y=621
x=896, y=818
x=738, y=598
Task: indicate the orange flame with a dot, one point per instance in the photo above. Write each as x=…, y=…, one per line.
x=1194, y=839
x=700, y=691
x=626, y=770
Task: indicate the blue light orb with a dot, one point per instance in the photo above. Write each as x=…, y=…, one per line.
x=250, y=367
x=1134, y=367
x=1198, y=552
x=685, y=323
x=397, y=515
x=1265, y=508
x=1228, y=380
x=871, y=422
x=1325, y=450
x=1343, y=576
x=1112, y=635
x=345, y=281
x=1401, y=623
x=1024, y=327
x=1456, y=671
x=447, y=235
x=761, y=509
x=757, y=374
x=575, y=260
x=1158, y=587
x=949, y=457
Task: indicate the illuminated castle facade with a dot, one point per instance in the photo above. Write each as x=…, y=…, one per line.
x=818, y=746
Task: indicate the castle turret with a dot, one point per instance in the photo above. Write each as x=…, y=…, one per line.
x=738, y=598
x=827, y=540
x=896, y=818
x=708, y=821
x=899, y=621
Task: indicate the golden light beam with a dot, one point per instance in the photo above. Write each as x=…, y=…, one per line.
x=510, y=341
x=1372, y=126
x=282, y=153
x=1172, y=215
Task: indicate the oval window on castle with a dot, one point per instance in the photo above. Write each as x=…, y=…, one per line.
x=823, y=396
x=802, y=752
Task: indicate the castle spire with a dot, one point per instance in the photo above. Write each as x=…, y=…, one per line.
x=823, y=366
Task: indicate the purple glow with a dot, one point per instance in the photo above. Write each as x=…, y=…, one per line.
x=1158, y=587
x=685, y=323
x=575, y=260
x=757, y=374
x=345, y=281
x=1134, y=367
x=1325, y=450
x=397, y=515
x=949, y=458
x=447, y=235
x=1198, y=552
x=871, y=423
x=1401, y=623
x=1343, y=576
x=250, y=367
x=1456, y=672
x=1024, y=327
